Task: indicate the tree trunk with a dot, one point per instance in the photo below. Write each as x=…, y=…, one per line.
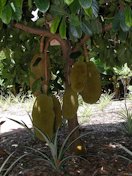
x=78, y=147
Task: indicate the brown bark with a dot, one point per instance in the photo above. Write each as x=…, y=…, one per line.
x=46, y=33
x=78, y=146
x=71, y=125
x=82, y=41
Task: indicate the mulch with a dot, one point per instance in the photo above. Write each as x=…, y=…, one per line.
x=103, y=156
x=101, y=159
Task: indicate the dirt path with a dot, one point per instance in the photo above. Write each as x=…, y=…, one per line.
x=106, y=119
x=102, y=157
x=16, y=112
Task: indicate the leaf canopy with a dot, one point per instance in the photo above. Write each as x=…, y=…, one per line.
x=107, y=24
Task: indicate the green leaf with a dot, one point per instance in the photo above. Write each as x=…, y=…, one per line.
x=85, y=3
x=62, y=29
x=75, y=31
x=123, y=25
x=128, y=16
x=68, y=2
x=17, y=8
x=2, y=4
x=6, y=14
x=1, y=25
x=123, y=36
x=5, y=162
x=30, y=4
x=74, y=20
x=14, y=163
x=42, y=5
x=40, y=22
x=18, y=3
x=116, y=22
x=57, y=11
x=89, y=12
x=85, y=28
x=93, y=9
x=75, y=7
x=55, y=25
x=96, y=26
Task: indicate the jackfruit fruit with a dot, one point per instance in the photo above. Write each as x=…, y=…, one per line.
x=37, y=71
x=36, y=66
x=58, y=113
x=70, y=103
x=77, y=76
x=92, y=89
x=43, y=115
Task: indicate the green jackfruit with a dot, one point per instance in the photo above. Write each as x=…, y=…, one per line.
x=78, y=75
x=70, y=103
x=92, y=89
x=36, y=66
x=37, y=71
x=43, y=115
x=58, y=113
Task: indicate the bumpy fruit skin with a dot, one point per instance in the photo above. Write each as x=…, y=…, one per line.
x=36, y=66
x=43, y=115
x=70, y=103
x=58, y=113
x=37, y=71
x=77, y=76
x=92, y=89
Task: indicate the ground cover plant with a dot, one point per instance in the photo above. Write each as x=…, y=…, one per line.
x=126, y=114
x=102, y=152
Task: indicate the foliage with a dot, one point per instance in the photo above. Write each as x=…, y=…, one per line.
x=105, y=100
x=127, y=151
x=108, y=24
x=25, y=101
x=84, y=113
x=3, y=170
x=126, y=114
x=24, y=125
x=123, y=72
x=7, y=100
x=58, y=152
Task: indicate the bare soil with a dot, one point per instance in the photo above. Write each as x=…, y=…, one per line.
x=105, y=131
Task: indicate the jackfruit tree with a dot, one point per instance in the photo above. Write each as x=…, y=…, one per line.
x=48, y=45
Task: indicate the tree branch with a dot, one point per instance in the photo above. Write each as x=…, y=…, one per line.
x=82, y=41
x=39, y=32
x=44, y=33
x=66, y=48
x=31, y=30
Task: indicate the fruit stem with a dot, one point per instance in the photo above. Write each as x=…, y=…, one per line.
x=85, y=52
x=42, y=44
